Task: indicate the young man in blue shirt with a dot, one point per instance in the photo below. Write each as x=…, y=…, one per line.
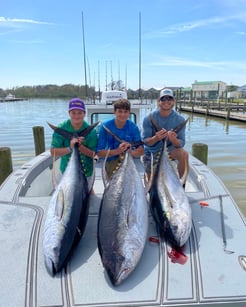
x=167, y=119
x=125, y=130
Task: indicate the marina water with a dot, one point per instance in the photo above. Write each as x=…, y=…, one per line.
x=226, y=140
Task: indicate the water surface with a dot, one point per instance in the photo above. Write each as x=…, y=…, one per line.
x=226, y=140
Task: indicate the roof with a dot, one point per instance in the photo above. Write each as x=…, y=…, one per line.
x=207, y=82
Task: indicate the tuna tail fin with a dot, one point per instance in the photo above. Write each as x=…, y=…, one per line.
x=69, y=135
x=134, y=144
x=87, y=130
x=112, y=134
x=175, y=129
x=63, y=132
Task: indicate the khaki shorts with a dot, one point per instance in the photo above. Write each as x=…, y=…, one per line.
x=147, y=161
x=111, y=166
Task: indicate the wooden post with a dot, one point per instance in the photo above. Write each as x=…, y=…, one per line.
x=6, y=166
x=38, y=133
x=207, y=109
x=200, y=151
x=228, y=112
x=191, y=96
x=176, y=100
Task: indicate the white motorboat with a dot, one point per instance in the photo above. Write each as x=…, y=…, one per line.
x=110, y=96
x=213, y=274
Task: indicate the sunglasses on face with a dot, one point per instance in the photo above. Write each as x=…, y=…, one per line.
x=166, y=98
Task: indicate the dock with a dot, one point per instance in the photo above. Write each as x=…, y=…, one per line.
x=228, y=112
x=11, y=99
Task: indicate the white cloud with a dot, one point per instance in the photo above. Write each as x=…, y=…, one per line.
x=9, y=22
x=182, y=62
x=189, y=26
x=241, y=33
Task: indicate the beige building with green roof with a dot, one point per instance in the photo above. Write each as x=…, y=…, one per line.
x=208, y=89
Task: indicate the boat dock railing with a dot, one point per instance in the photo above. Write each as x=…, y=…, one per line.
x=229, y=111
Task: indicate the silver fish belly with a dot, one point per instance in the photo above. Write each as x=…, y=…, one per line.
x=123, y=222
x=67, y=216
x=169, y=203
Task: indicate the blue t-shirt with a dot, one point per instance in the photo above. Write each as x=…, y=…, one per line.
x=168, y=123
x=129, y=133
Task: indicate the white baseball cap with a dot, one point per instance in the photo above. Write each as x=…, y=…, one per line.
x=166, y=92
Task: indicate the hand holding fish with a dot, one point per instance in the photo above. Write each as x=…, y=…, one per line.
x=157, y=137
x=123, y=147
x=78, y=140
x=173, y=138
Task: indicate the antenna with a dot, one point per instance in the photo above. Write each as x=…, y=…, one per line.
x=106, y=76
x=111, y=76
x=119, y=85
x=99, y=94
x=126, y=78
x=86, y=87
x=139, y=93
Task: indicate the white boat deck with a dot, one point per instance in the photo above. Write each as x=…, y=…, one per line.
x=210, y=277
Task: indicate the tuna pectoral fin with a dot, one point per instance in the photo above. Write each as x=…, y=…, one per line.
x=53, y=171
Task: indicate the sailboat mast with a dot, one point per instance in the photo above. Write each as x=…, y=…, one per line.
x=112, y=85
x=126, y=78
x=99, y=90
x=86, y=86
x=106, y=75
x=139, y=93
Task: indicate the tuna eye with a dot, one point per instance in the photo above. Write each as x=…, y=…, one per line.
x=120, y=259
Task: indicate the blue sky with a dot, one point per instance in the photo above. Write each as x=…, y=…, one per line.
x=41, y=42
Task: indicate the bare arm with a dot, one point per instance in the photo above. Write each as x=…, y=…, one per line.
x=58, y=152
x=86, y=151
x=67, y=150
x=114, y=152
x=162, y=134
x=139, y=151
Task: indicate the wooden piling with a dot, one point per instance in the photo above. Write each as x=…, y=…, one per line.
x=38, y=134
x=200, y=151
x=6, y=167
x=228, y=112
